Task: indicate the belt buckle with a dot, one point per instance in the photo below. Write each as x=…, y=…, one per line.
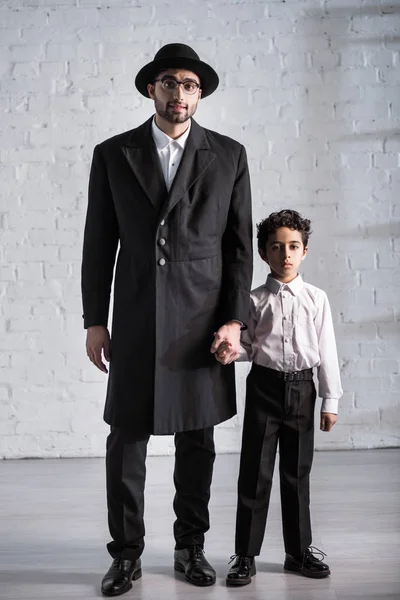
x=288, y=376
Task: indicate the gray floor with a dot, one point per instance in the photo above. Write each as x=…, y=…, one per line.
x=53, y=531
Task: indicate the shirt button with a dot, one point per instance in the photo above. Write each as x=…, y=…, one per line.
x=162, y=222
x=286, y=339
x=284, y=318
x=161, y=241
x=161, y=262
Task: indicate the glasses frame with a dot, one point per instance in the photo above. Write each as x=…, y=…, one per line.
x=178, y=83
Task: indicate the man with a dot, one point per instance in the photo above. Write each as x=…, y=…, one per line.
x=176, y=197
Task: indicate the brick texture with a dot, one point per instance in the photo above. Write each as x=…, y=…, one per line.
x=310, y=87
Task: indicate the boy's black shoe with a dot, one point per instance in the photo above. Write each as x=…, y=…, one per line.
x=194, y=564
x=241, y=571
x=308, y=564
x=118, y=578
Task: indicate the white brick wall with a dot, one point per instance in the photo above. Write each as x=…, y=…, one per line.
x=310, y=87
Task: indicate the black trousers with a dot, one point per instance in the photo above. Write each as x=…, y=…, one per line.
x=126, y=474
x=276, y=410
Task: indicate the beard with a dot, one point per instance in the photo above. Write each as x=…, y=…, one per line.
x=166, y=112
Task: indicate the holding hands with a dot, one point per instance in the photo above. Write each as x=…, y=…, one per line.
x=226, y=345
x=223, y=353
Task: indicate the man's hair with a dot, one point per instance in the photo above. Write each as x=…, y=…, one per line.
x=284, y=218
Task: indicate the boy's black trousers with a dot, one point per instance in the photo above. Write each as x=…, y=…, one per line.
x=276, y=410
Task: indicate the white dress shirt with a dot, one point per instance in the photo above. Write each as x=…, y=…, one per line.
x=290, y=328
x=169, y=151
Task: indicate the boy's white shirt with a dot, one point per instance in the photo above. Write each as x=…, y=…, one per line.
x=290, y=328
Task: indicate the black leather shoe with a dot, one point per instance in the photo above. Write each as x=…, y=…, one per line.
x=241, y=571
x=118, y=578
x=308, y=564
x=194, y=564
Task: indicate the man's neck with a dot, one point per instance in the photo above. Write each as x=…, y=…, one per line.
x=173, y=130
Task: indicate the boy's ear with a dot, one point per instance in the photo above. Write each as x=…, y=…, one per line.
x=263, y=255
x=305, y=252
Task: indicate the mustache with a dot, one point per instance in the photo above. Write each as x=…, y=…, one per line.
x=177, y=104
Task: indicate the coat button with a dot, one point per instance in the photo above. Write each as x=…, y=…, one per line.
x=161, y=262
x=161, y=241
x=162, y=222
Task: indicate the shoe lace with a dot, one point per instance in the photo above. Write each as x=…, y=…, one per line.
x=244, y=559
x=124, y=564
x=197, y=551
x=313, y=550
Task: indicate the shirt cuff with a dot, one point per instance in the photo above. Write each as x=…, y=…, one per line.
x=243, y=355
x=330, y=405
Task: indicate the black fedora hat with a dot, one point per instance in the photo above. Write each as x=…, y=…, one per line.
x=177, y=56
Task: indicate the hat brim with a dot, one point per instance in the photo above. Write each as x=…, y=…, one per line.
x=208, y=77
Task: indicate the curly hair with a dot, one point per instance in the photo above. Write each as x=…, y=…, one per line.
x=284, y=218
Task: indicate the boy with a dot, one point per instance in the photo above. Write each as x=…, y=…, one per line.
x=290, y=331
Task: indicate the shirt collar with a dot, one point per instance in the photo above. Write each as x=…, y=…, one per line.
x=162, y=140
x=294, y=286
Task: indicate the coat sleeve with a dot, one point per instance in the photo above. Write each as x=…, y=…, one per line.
x=99, y=245
x=248, y=336
x=237, y=250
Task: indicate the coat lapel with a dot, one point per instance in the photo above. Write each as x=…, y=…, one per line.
x=141, y=154
x=196, y=158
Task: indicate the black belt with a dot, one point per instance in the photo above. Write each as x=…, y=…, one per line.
x=305, y=375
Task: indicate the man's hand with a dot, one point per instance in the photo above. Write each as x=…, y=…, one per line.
x=98, y=340
x=229, y=333
x=327, y=421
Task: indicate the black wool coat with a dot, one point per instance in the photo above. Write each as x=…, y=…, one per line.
x=184, y=268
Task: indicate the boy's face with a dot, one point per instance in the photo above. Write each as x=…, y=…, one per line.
x=284, y=252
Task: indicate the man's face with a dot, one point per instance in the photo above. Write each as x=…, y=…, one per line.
x=175, y=105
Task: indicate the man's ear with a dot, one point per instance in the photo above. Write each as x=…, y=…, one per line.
x=150, y=89
x=263, y=255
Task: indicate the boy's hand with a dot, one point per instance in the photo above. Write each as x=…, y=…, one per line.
x=327, y=421
x=222, y=353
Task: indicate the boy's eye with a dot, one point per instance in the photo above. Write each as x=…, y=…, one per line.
x=294, y=247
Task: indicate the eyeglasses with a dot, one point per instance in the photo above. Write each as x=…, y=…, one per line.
x=170, y=85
